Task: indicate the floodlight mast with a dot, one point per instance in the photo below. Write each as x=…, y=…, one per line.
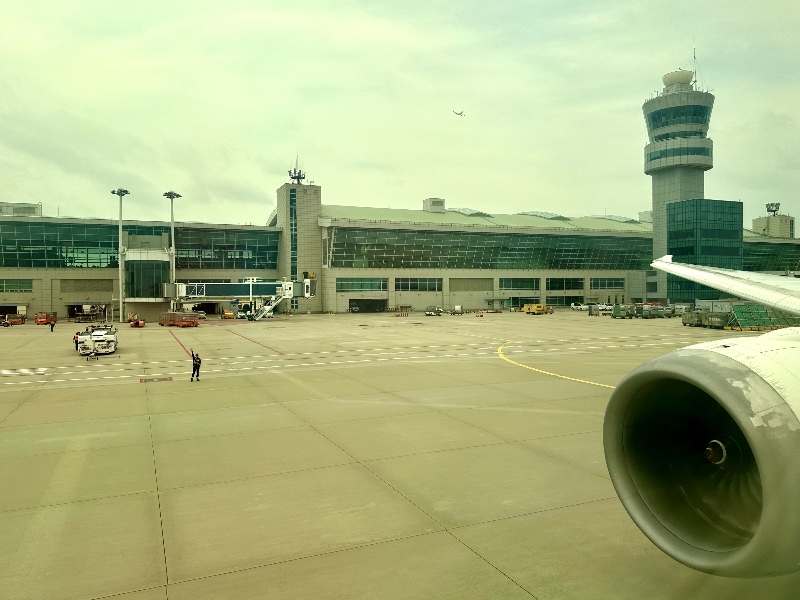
x=120, y=192
x=172, y=195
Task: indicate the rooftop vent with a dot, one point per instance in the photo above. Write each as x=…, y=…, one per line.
x=435, y=205
x=470, y=212
x=544, y=215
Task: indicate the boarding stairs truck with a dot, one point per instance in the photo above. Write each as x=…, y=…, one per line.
x=98, y=339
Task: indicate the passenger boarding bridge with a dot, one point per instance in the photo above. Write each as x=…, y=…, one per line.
x=263, y=296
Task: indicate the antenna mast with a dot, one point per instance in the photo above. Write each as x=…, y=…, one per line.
x=296, y=175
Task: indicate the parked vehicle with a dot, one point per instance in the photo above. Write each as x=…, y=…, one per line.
x=45, y=318
x=537, y=309
x=98, y=339
x=623, y=311
x=433, y=311
x=579, y=306
x=15, y=319
x=228, y=315
x=201, y=315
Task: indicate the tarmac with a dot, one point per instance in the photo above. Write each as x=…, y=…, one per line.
x=354, y=456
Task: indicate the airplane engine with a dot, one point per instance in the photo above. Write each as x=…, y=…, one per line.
x=703, y=448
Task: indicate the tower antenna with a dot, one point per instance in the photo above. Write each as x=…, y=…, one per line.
x=296, y=175
x=694, y=63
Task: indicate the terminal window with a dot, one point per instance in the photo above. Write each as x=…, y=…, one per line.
x=564, y=300
x=361, y=284
x=564, y=283
x=418, y=284
x=519, y=283
x=16, y=285
x=607, y=283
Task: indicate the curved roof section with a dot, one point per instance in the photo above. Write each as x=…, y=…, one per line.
x=522, y=221
x=470, y=212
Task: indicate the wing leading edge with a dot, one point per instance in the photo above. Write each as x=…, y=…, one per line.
x=782, y=293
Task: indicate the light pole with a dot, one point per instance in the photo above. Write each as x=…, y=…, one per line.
x=120, y=192
x=172, y=195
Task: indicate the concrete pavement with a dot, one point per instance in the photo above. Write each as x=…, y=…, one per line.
x=330, y=456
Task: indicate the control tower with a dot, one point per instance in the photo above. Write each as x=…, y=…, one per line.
x=678, y=154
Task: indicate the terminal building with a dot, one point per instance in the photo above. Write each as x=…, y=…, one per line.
x=378, y=259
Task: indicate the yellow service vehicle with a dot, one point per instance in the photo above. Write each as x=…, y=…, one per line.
x=537, y=309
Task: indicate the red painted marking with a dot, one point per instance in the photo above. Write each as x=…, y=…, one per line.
x=177, y=340
x=255, y=342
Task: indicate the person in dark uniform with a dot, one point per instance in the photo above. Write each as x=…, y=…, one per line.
x=52, y=326
x=195, y=366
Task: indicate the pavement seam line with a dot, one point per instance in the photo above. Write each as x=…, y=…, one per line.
x=158, y=497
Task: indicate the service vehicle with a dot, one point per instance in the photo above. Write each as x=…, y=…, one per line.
x=45, y=318
x=15, y=319
x=579, y=306
x=623, y=311
x=98, y=339
x=433, y=311
x=537, y=309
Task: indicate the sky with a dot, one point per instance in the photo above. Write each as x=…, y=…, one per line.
x=217, y=100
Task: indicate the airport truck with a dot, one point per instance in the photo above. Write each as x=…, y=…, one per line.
x=45, y=318
x=537, y=309
x=98, y=339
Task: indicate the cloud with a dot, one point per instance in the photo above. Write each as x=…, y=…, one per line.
x=216, y=100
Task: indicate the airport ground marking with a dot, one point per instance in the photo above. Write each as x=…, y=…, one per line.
x=513, y=362
x=255, y=342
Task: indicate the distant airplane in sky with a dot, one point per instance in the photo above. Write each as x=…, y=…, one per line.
x=460, y=114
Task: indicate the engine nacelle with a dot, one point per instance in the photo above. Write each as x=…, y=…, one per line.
x=703, y=447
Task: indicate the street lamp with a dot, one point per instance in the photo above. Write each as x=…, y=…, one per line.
x=172, y=195
x=120, y=192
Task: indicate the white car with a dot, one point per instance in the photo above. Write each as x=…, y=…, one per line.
x=579, y=306
x=201, y=314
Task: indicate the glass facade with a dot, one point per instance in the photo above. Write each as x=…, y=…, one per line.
x=770, y=256
x=519, y=283
x=672, y=152
x=38, y=244
x=678, y=115
x=564, y=300
x=607, y=283
x=404, y=249
x=678, y=135
x=79, y=245
x=362, y=284
x=564, y=283
x=16, y=285
x=202, y=248
x=146, y=278
x=519, y=301
x=293, y=234
x=703, y=232
x=418, y=284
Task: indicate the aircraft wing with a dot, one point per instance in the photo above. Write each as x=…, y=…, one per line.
x=782, y=293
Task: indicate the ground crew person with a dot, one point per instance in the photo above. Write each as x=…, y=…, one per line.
x=52, y=325
x=195, y=366
x=75, y=339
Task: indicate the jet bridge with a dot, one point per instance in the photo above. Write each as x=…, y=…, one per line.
x=264, y=296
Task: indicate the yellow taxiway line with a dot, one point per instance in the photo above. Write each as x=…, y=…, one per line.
x=513, y=362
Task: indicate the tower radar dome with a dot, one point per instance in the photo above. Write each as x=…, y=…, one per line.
x=679, y=76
